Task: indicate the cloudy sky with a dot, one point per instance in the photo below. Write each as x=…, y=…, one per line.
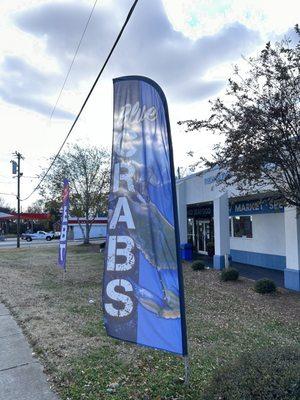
x=187, y=46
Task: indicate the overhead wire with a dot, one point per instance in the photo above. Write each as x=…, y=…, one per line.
x=73, y=60
x=85, y=101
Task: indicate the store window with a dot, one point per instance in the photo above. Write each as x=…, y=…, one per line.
x=242, y=226
x=230, y=226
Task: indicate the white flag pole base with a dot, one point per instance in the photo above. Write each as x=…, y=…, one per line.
x=64, y=276
x=186, y=370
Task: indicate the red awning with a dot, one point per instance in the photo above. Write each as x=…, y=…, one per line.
x=26, y=216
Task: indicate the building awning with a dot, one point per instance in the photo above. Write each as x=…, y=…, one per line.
x=255, y=196
x=25, y=216
x=5, y=216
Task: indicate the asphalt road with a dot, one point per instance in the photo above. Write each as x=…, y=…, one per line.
x=11, y=243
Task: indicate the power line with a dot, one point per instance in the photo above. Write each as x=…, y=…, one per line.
x=74, y=57
x=86, y=100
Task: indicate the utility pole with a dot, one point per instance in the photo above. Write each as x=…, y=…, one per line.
x=16, y=168
x=178, y=173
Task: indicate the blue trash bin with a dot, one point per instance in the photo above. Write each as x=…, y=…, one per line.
x=182, y=252
x=186, y=251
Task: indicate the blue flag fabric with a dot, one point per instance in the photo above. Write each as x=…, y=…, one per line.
x=143, y=298
x=62, y=254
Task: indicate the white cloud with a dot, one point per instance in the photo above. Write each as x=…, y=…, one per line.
x=186, y=53
x=150, y=46
x=206, y=17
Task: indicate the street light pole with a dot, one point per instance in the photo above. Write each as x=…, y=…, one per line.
x=18, y=222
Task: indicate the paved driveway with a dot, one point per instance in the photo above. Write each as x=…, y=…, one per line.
x=250, y=271
x=256, y=273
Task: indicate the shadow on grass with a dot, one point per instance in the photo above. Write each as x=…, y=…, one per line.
x=104, y=375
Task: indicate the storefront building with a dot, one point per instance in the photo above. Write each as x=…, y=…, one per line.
x=29, y=222
x=77, y=228
x=254, y=229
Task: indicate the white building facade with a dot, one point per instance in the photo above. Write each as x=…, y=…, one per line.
x=77, y=228
x=255, y=229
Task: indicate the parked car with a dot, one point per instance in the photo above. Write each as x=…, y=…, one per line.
x=39, y=235
x=56, y=234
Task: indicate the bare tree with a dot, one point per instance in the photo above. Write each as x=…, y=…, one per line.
x=36, y=207
x=4, y=206
x=88, y=169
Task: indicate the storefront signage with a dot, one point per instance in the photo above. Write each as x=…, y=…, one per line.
x=257, y=206
x=220, y=177
x=200, y=210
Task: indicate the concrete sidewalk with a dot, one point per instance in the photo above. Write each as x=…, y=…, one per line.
x=21, y=375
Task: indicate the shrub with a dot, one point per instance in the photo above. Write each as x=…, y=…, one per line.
x=266, y=374
x=229, y=274
x=198, y=265
x=265, y=286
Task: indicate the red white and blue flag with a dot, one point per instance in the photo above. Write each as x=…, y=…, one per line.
x=62, y=255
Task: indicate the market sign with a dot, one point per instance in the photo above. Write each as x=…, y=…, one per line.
x=257, y=206
x=142, y=286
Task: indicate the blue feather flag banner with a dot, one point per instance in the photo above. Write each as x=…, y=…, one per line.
x=143, y=297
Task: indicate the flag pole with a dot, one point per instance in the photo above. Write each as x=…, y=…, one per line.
x=64, y=275
x=186, y=370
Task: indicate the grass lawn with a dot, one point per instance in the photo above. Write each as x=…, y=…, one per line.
x=63, y=321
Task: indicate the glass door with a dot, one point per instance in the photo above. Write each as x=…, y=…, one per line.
x=203, y=235
x=191, y=232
